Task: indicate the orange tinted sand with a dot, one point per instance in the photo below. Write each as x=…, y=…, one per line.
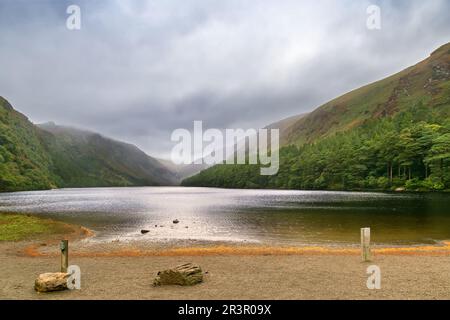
x=442, y=249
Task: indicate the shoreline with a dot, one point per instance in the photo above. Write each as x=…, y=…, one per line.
x=125, y=271
x=46, y=245
x=80, y=248
x=228, y=277
x=445, y=191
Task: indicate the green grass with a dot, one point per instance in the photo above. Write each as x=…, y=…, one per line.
x=17, y=227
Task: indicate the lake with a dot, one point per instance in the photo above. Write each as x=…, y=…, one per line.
x=272, y=217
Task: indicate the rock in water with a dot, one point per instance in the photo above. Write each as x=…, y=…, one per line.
x=184, y=275
x=176, y=221
x=143, y=231
x=48, y=282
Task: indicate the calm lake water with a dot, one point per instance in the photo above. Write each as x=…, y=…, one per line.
x=261, y=216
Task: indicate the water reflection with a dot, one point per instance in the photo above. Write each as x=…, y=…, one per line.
x=267, y=216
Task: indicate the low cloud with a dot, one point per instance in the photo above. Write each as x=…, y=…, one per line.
x=139, y=69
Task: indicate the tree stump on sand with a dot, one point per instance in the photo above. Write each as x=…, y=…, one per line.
x=48, y=282
x=184, y=275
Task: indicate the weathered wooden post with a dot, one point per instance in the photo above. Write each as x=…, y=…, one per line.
x=64, y=246
x=365, y=244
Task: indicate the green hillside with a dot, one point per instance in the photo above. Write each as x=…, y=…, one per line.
x=394, y=133
x=50, y=156
x=87, y=159
x=24, y=162
x=427, y=81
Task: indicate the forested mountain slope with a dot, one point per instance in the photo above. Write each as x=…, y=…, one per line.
x=82, y=158
x=394, y=133
x=24, y=161
x=426, y=81
x=49, y=156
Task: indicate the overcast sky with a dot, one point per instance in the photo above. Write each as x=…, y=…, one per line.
x=139, y=69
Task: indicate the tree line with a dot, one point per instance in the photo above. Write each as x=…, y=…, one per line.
x=410, y=150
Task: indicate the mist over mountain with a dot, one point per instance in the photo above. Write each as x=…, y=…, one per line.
x=183, y=171
x=49, y=156
x=394, y=133
x=391, y=134
x=82, y=158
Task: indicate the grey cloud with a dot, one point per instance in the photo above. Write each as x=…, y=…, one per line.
x=139, y=69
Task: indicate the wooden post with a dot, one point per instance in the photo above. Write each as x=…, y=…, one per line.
x=64, y=246
x=365, y=244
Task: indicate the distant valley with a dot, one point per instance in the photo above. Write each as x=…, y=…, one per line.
x=46, y=156
x=393, y=134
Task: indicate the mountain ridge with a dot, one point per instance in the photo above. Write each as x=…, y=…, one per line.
x=49, y=156
x=387, y=135
x=386, y=97
x=118, y=163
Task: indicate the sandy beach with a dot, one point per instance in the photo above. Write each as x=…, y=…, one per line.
x=239, y=273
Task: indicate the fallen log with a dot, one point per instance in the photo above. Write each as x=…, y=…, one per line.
x=48, y=282
x=184, y=275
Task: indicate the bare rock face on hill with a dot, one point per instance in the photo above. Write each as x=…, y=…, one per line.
x=393, y=133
